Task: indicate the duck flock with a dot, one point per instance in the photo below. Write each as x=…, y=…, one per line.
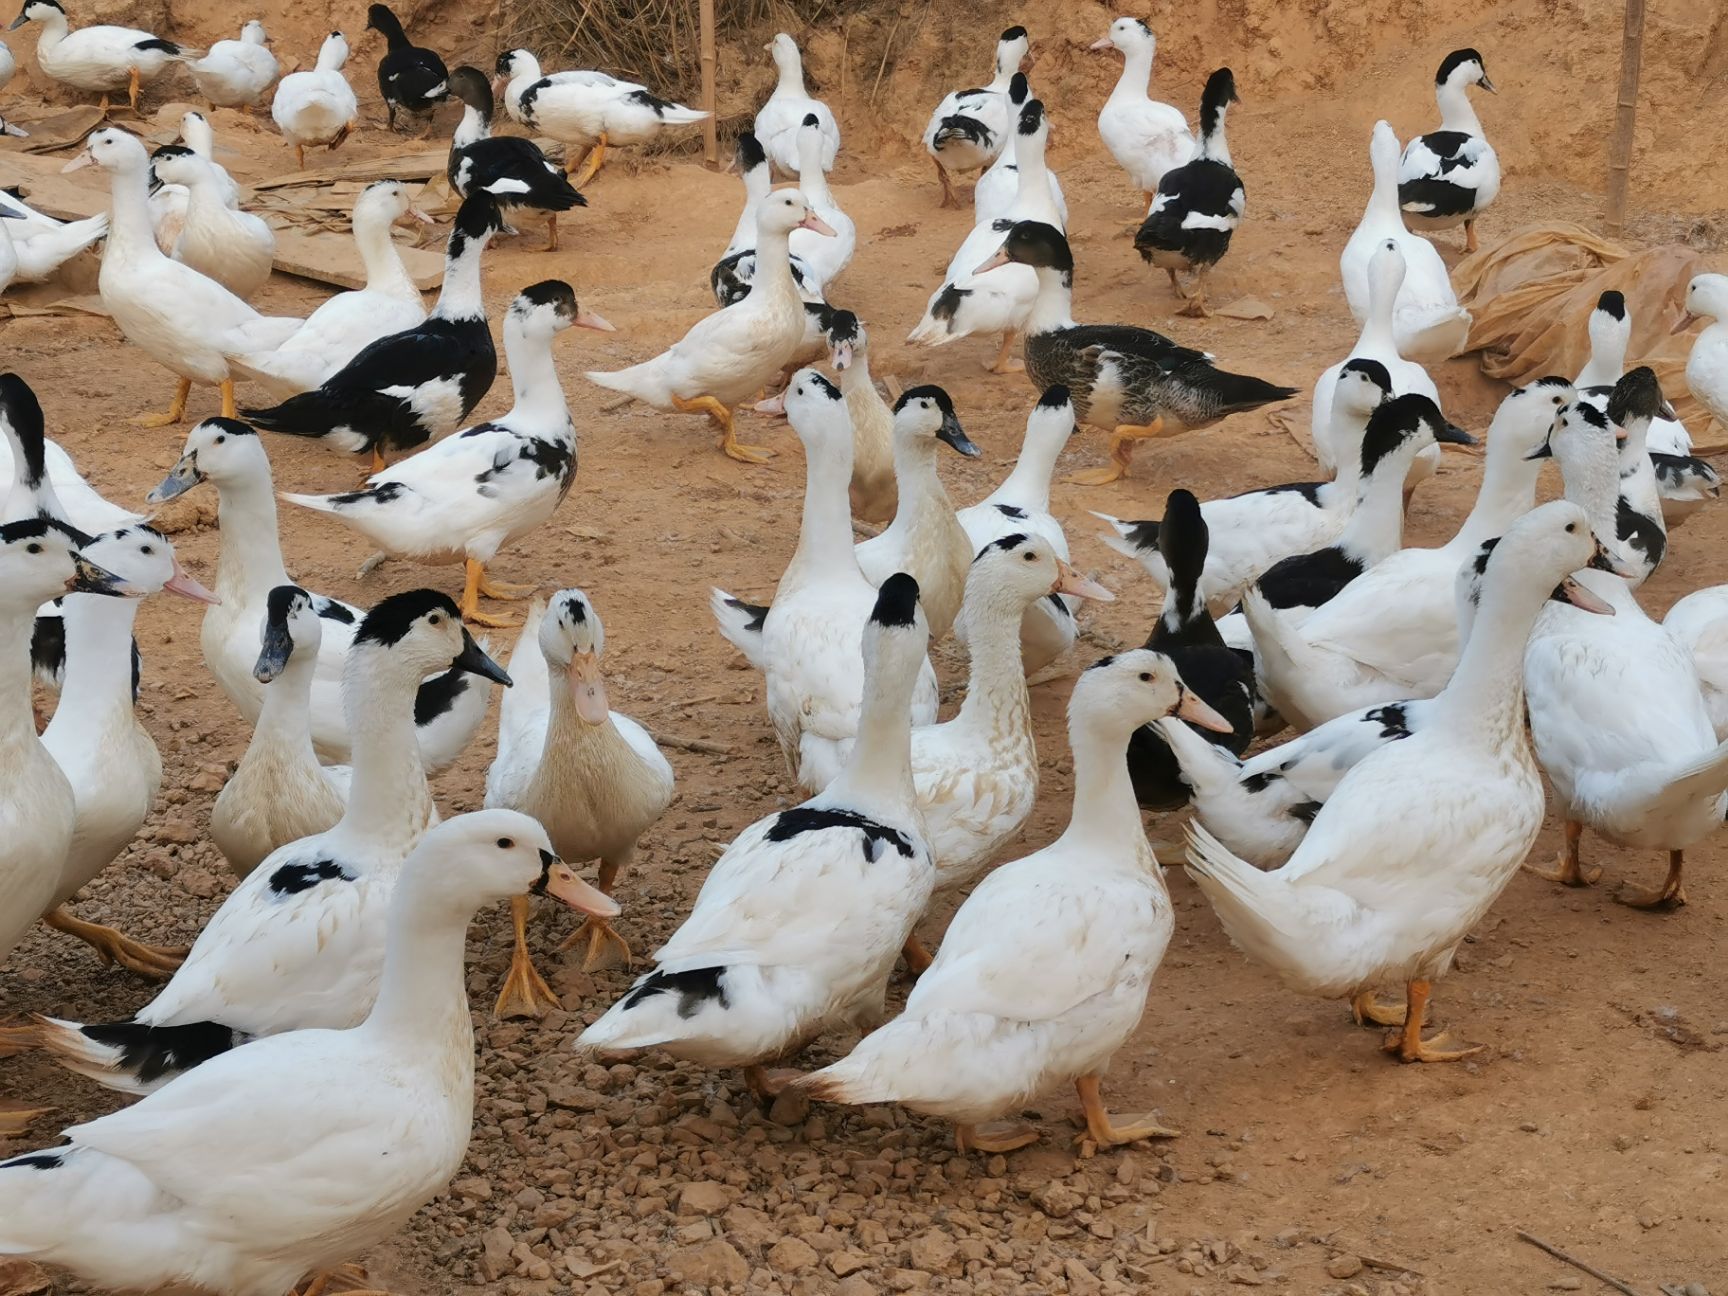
x=305, y=1074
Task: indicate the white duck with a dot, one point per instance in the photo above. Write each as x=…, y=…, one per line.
x=236, y=73
x=347, y=323
x=925, y=538
x=8, y=65
x=171, y=312
x=233, y=247
x=874, y=492
x=1699, y=622
x=299, y=942
x=380, y=1114
x=1044, y=972
x=227, y=453
x=317, y=107
x=1377, y=342
x=593, y=776
x=1145, y=137
x=1419, y=839
x=734, y=352
x=826, y=255
x=1250, y=532
x=1707, y=364
x=999, y=300
x=585, y=111
x=103, y=58
x=798, y=924
x=781, y=118
x=806, y=643
x=976, y=775
x=1000, y=184
x=38, y=810
x=1428, y=324
x=1450, y=176
x=39, y=245
x=168, y=202
x=107, y=755
x=1617, y=712
x=969, y=128
x=1022, y=504
x=279, y=793
x=466, y=498
x=1392, y=633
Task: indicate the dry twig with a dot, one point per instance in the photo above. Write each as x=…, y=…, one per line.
x=1577, y=1264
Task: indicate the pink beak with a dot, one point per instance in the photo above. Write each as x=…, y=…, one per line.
x=1072, y=582
x=1687, y=320
x=1583, y=599
x=588, y=689
x=1101, y=44
x=841, y=356
x=1195, y=711
x=814, y=222
x=589, y=320
x=563, y=884
x=773, y=405
x=78, y=163
x=415, y=214
x=183, y=585
x=1000, y=259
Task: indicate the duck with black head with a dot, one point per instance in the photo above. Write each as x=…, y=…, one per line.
x=1449, y=177
x=1198, y=204
x=512, y=169
x=970, y=127
x=411, y=79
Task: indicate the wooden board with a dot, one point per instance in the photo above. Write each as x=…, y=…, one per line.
x=327, y=258
x=415, y=166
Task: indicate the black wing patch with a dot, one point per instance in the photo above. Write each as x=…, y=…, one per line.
x=803, y=819
x=693, y=988
x=291, y=879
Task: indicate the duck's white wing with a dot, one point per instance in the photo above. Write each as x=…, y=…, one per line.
x=643, y=744
x=1453, y=156
x=522, y=715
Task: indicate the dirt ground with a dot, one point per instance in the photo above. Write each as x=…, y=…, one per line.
x=1308, y=1162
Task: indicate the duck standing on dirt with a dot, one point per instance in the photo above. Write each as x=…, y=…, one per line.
x=1449, y=176
x=411, y=79
x=969, y=128
x=1198, y=204
x=102, y=58
x=236, y=73
x=512, y=169
x=317, y=106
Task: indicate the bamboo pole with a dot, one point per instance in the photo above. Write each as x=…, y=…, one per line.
x=710, y=123
x=1625, y=116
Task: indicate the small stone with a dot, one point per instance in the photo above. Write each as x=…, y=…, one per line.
x=1243, y=1276
x=495, y=1246
x=473, y=1189
x=1343, y=1266
x=791, y=1254
x=1080, y=1278
x=708, y=1265
x=842, y=1263
x=856, y=1285
x=704, y=1197
x=1057, y=1200
x=1648, y=1218
x=931, y=1251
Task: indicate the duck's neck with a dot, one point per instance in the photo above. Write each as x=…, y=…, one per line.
x=17, y=720
x=825, y=534
x=55, y=29
x=1486, y=692
x=1607, y=358
x=1033, y=178
x=921, y=491
x=1214, y=145
x=539, y=398
x=1106, y=816
x=384, y=269
x=249, y=561
x=1507, y=493
x=791, y=82
x=460, y=296
x=422, y=1004
x=97, y=693
x=1456, y=111
x=471, y=129
x=879, y=772
x=331, y=59
x=1136, y=78
x=388, y=796
x=1385, y=196
x=1028, y=486
x=1347, y=433
x=1376, y=527
x=812, y=179
x=285, y=721
x=202, y=197
x=774, y=267
x=1006, y=66
x=130, y=237
x=997, y=703
x=1053, y=308
x=855, y=377
x=1377, y=334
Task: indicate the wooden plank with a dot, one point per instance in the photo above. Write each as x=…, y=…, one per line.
x=415, y=166
x=326, y=257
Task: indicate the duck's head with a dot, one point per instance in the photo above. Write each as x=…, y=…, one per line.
x=195, y=131
x=1035, y=244
x=222, y=450
x=1019, y=569
x=1610, y=331
x=333, y=53
x=1216, y=98
x=1125, y=34
x=38, y=11
x=1637, y=400
x=178, y=164
x=1587, y=447
x=1183, y=541
x=491, y=855
x=1707, y=298
x=142, y=557
x=1116, y=695
x=816, y=410
x=846, y=339
x=1384, y=149
x=291, y=627
x=514, y=64
x=897, y=636
x=1012, y=47
x=380, y=19
x=113, y=150
x=785, y=210
x=420, y=633
x=1527, y=416
x=253, y=33
x=784, y=51
x=573, y=641
x=550, y=307
x=1031, y=124
x=25, y=430
x=1463, y=67
x=1386, y=270
x=1362, y=385
x=389, y=202
x=1019, y=89
x=1052, y=419
x=1539, y=554
x=927, y=413
x=41, y=559
x=748, y=155
x=1403, y=427
x=473, y=88
x=477, y=220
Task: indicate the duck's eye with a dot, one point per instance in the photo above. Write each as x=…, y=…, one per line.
x=1145, y=677
x=220, y=440
x=505, y=843
x=32, y=548
x=148, y=550
x=1571, y=527
x=437, y=618
x=1031, y=557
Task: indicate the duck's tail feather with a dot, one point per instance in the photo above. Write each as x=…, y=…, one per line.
x=131, y=1056
x=1706, y=776
x=740, y=624
x=1239, y=393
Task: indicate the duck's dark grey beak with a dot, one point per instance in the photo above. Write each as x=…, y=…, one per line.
x=474, y=660
x=955, y=435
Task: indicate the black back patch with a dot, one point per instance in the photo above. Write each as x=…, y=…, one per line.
x=291, y=879
x=693, y=989
x=802, y=819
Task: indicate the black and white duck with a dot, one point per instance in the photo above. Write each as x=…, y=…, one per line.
x=1198, y=204
x=411, y=79
x=1136, y=382
x=969, y=128
x=512, y=169
x=1448, y=177
x=417, y=385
